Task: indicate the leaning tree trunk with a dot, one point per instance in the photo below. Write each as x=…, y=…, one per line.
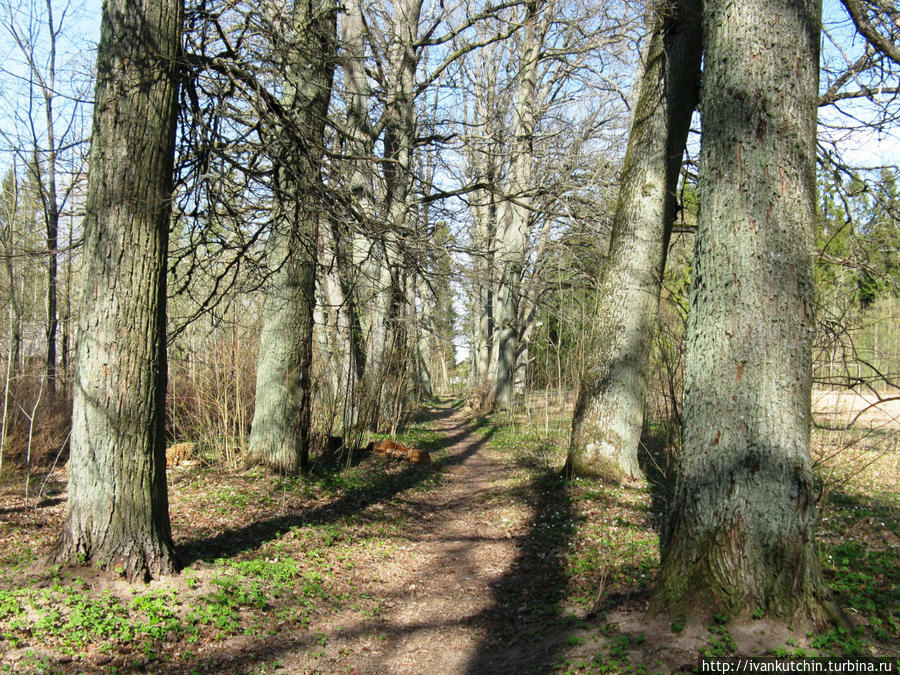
x=740, y=530
x=609, y=412
x=279, y=436
x=117, y=512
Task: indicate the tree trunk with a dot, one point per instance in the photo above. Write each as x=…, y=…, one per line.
x=609, y=412
x=512, y=236
x=117, y=512
x=279, y=435
x=52, y=277
x=740, y=531
x=358, y=262
x=400, y=126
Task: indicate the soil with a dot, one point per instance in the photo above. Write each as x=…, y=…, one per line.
x=471, y=574
x=440, y=587
x=862, y=407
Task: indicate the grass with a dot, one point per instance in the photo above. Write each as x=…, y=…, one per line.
x=613, y=546
x=270, y=557
x=259, y=564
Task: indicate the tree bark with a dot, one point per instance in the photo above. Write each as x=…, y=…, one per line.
x=513, y=230
x=117, y=511
x=740, y=530
x=609, y=412
x=279, y=435
x=358, y=261
x=391, y=367
x=52, y=226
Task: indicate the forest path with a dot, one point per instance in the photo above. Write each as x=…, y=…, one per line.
x=455, y=587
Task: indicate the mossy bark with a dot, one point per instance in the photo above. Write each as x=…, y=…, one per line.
x=740, y=531
x=117, y=511
x=609, y=412
x=279, y=435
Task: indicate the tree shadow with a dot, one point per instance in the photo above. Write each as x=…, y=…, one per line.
x=525, y=623
x=249, y=537
x=45, y=502
x=657, y=463
x=435, y=412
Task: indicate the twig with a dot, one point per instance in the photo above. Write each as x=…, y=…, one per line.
x=50, y=472
x=31, y=436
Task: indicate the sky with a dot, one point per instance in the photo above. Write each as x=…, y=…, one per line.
x=865, y=148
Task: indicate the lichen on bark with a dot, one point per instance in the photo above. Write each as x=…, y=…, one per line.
x=739, y=536
x=117, y=510
x=606, y=425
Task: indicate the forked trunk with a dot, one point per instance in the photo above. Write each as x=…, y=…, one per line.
x=740, y=533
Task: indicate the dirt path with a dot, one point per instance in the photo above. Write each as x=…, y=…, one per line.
x=458, y=567
x=448, y=588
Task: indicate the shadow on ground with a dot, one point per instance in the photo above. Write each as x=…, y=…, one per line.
x=237, y=540
x=525, y=624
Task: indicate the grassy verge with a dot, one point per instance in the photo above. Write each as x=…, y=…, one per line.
x=265, y=556
x=611, y=557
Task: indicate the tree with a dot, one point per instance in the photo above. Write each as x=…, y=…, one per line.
x=513, y=221
x=51, y=148
x=606, y=425
x=117, y=510
x=740, y=533
x=280, y=432
x=533, y=137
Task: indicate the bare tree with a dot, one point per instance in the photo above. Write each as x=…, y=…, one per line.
x=50, y=130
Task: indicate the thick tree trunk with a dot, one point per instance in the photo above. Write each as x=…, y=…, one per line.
x=358, y=257
x=117, y=512
x=279, y=436
x=740, y=531
x=609, y=412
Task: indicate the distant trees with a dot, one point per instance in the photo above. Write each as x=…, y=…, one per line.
x=117, y=509
x=539, y=113
x=45, y=131
x=365, y=165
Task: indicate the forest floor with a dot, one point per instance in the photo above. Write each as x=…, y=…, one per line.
x=484, y=561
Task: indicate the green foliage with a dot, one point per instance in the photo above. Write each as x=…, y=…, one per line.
x=88, y=619
x=791, y=650
x=10, y=605
x=840, y=640
x=857, y=235
x=159, y=616
x=721, y=643
x=868, y=581
x=857, y=272
x=276, y=572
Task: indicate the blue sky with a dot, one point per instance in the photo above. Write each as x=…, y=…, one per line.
x=866, y=147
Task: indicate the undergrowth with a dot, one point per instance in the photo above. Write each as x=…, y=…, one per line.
x=271, y=556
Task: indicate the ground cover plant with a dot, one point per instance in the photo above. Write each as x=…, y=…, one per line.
x=488, y=552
